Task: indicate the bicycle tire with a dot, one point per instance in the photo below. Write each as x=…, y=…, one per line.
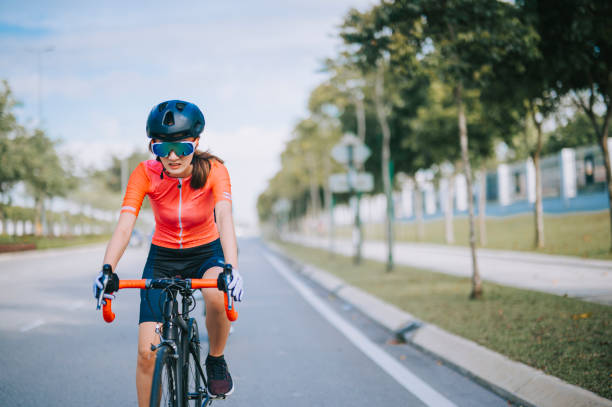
x=164, y=386
x=195, y=383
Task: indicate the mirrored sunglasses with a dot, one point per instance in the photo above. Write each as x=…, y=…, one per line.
x=180, y=148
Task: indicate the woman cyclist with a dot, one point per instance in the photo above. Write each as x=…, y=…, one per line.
x=190, y=195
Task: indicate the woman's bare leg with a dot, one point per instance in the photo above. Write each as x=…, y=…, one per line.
x=146, y=361
x=217, y=324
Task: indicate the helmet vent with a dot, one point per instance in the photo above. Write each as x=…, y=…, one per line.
x=162, y=106
x=180, y=106
x=168, y=119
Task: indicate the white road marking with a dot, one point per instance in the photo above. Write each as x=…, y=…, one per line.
x=395, y=369
x=34, y=324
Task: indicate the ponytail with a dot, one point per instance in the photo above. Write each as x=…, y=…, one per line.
x=201, y=168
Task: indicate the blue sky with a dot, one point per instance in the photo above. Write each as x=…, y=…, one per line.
x=249, y=65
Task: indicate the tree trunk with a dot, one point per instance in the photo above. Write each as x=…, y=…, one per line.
x=329, y=203
x=4, y=218
x=418, y=213
x=539, y=223
x=361, y=117
x=361, y=133
x=357, y=232
x=603, y=143
x=38, y=226
x=449, y=211
x=482, y=206
x=386, y=156
x=538, y=210
x=315, y=201
x=463, y=139
x=602, y=140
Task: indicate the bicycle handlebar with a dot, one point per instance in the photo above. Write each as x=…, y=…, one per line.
x=230, y=310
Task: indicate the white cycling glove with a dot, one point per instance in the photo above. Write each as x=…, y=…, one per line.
x=97, y=287
x=235, y=286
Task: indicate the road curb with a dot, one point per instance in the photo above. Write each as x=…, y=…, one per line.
x=515, y=381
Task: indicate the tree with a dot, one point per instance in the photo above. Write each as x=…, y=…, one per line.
x=119, y=171
x=434, y=135
x=577, y=36
x=389, y=59
x=303, y=173
x=12, y=169
x=469, y=37
x=46, y=177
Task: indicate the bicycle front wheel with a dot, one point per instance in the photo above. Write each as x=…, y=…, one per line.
x=195, y=390
x=164, y=386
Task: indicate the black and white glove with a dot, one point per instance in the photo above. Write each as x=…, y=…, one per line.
x=98, y=285
x=235, y=288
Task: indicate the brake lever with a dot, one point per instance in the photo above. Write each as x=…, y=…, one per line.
x=223, y=281
x=230, y=300
x=106, y=271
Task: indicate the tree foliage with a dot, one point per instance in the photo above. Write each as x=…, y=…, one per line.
x=12, y=169
x=501, y=68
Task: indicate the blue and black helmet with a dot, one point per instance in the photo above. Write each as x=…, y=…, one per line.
x=169, y=119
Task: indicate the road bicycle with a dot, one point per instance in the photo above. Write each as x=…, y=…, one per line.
x=178, y=378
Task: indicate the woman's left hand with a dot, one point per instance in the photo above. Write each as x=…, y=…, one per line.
x=235, y=287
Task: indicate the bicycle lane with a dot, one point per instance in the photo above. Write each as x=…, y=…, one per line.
x=293, y=344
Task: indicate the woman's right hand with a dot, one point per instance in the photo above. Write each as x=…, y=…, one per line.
x=98, y=286
x=235, y=287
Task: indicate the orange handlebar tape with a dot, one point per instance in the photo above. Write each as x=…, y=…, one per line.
x=132, y=284
x=232, y=314
x=204, y=283
x=107, y=311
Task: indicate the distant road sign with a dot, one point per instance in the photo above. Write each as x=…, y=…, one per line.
x=350, y=147
x=360, y=181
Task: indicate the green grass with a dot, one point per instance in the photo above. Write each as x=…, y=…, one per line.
x=564, y=337
x=584, y=235
x=54, y=242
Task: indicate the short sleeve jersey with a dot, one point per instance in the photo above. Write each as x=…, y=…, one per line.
x=184, y=217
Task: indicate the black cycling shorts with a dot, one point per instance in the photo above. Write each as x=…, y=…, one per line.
x=163, y=262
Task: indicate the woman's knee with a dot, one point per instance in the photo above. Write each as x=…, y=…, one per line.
x=146, y=358
x=214, y=300
x=146, y=338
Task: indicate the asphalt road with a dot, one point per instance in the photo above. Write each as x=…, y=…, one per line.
x=293, y=344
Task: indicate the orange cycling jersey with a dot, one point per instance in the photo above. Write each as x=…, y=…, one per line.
x=183, y=216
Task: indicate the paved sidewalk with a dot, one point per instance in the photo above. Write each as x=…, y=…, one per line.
x=590, y=280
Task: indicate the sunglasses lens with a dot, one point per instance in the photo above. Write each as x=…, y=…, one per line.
x=180, y=148
x=161, y=149
x=184, y=148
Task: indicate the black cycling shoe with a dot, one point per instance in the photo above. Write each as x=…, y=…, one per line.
x=220, y=382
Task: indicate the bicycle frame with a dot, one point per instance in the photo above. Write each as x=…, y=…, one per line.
x=174, y=322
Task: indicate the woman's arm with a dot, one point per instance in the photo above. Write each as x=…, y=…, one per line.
x=225, y=223
x=120, y=239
